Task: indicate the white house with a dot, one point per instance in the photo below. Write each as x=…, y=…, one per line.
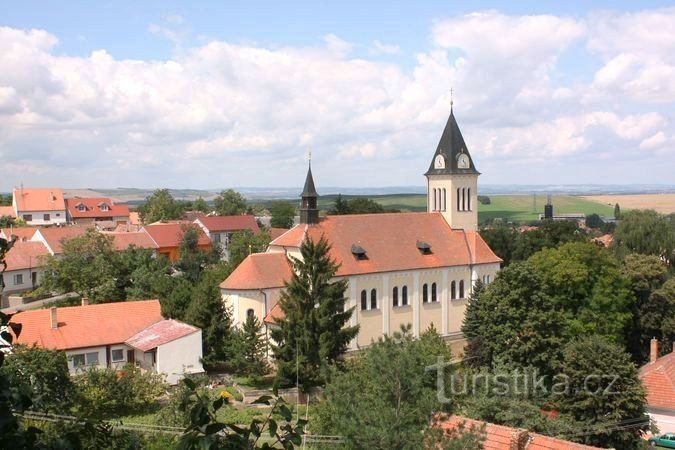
x=39, y=206
x=114, y=334
x=24, y=270
x=658, y=378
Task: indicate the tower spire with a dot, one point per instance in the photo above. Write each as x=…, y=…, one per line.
x=309, y=211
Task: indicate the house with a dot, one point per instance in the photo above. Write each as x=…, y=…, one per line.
x=39, y=206
x=276, y=232
x=125, y=239
x=21, y=233
x=54, y=237
x=500, y=437
x=219, y=229
x=658, y=378
x=25, y=261
x=168, y=236
x=99, y=210
x=114, y=334
x=403, y=268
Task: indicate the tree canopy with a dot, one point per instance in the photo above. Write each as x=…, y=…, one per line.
x=646, y=232
x=160, y=206
x=230, y=203
x=283, y=214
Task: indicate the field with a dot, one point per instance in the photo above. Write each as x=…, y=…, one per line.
x=514, y=208
x=663, y=203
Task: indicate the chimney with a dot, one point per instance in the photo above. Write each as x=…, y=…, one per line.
x=519, y=439
x=653, y=350
x=85, y=301
x=55, y=323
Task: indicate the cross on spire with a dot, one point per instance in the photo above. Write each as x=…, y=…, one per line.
x=451, y=98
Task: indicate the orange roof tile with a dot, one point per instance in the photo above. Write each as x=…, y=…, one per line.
x=7, y=211
x=160, y=333
x=25, y=255
x=229, y=223
x=390, y=242
x=277, y=232
x=55, y=236
x=170, y=234
x=134, y=218
x=39, y=199
x=87, y=326
x=275, y=314
x=92, y=208
x=658, y=379
x=22, y=233
x=259, y=271
x=122, y=240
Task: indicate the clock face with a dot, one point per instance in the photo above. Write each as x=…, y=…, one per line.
x=439, y=162
x=463, y=162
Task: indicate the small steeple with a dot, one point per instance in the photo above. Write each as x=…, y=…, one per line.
x=309, y=211
x=451, y=155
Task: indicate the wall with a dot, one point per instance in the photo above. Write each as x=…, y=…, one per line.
x=8, y=276
x=665, y=420
x=467, y=220
x=180, y=356
x=56, y=217
x=241, y=301
x=101, y=357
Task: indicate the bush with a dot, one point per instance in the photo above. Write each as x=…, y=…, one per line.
x=108, y=392
x=484, y=199
x=176, y=410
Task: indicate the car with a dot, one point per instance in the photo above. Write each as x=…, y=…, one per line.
x=663, y=440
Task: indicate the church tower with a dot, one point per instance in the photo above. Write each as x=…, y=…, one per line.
x=309, y=211
x=452, y=180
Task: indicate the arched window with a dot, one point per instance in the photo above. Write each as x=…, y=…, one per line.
x=459, y=201
x=461, y=288
x=445, y=198
x=434, y=298
x=468, y=199
x=394, y=296
x=250, y=313
x=404, y=296
x=425, y=293
x=488, y=279
x=373, y=299
x=364, y=300
x=453, y=290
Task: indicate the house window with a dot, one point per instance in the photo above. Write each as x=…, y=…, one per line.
x=394, y=296
x=364, y=300
x=27, y=217
x=216, y=238
x=425, y=293
x=90, y=359
x=404, y=296
x=104, y=207
x=78, y=360
x=453, y=290
x=80, y=207
x=46, y=217
x=373, y=299
x=18, y=279
x=461, y=288
x=117, y=355
x=434, y=298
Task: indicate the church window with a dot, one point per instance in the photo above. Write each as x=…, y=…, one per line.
x=463, y=199
x=404, y=296
x=434, y=297
x=364, y=300
x=373, y=299
x=453, y=290
x=425, y=293
x=459, y=201
x=250, y=313
x=394, y=296
x=445, y=198
x=461, y=288
x=468, y=199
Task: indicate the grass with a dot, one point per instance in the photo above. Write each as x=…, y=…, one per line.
x=265, y=382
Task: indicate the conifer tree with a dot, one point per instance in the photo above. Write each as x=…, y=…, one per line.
x=251, y=348
x=471, y=328
x=312, y=335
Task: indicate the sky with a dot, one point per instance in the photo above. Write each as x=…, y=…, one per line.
x=212, y=95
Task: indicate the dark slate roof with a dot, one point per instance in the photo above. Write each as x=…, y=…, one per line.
x=450, y=146
x=309, y=190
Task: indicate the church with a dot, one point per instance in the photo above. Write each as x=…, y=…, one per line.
x=401, y=268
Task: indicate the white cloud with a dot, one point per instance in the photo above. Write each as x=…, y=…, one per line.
x=387, y=49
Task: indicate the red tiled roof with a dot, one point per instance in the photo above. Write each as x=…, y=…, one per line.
x=22, y=233
x=7, y=211
x=500, y=437
x=134, y=218
x=160, y=333
x=390, y=242
x=25, y=255
x=87, y=326
x=123, y=240
x=275, y=314
x=277, y=232
x=229, y=223
x=39, y=199
x=259, y=271
x=55, y=236
x=170, y=234
x=658, y=379
x=93, y=208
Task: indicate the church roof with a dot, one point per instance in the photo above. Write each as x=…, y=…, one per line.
x=309, y=190
x=390, y=242
x=450, y=146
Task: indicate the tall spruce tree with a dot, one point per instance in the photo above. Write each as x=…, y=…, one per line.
x=471, y=328
x=312, y=335
x=250, y=348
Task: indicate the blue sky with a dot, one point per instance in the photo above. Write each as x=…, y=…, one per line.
x=220, y=94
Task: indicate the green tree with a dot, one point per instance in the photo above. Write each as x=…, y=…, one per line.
x=243, y=243
x=176, y=301
x=339, y=207
x=192, y=259
x=283, y=214
x=657, y=317
x=604, y=394
x=386, y=397
x=594, y=221
x=88, y=265
x=363, y=205
x=230, y=203
x=160, y=206
x=200, y=205
x=617, y=211
x=501, y=240
x=646, y=232
x=471, y=328
x=250, y=350
x=312, y=335
x=208, y=312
